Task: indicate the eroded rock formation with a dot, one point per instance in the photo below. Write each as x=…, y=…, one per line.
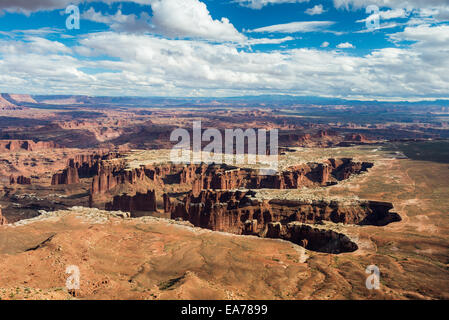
x=139, y=202
x=67, y=176
x=239, y=212
x=3, y=220
x=19, y=180
x=26, y=145
x=81, y=166
x=356, y=137
x=218, y=177
x=316, y=238
x=229, y=210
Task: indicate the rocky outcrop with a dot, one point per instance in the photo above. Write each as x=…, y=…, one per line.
x=81, y=166
x=228, y=210
x=3, y=220
x=67, y=176
x=109, y=178
x=6, y=104
x=167, y=203
x=19, y=180
x=139, y=202
x=354, y=212
x=26, y=145
x=225, y=177
x=315, y=238
x=322, y=174
x=356, y=137
x=239, y=212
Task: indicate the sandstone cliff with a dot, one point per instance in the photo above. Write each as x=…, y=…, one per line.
x=139, y=202
x=228, y=210
x=26, y=145
x=19, y=180
x=316, y=238
x=67, y=176
x=3, y=220
x=239, y=212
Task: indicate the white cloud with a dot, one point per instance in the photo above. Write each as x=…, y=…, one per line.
x=292, y=27
x=437, y=9
x=345, y=45
x=325, y=44
x=387, y=15
x=119, y=21
x=425, y=36
x=172, y=18
x=268, y=40
x=357, y=4
x=149, y=65
x=393, y=14
x=190, y=18
x=316, y=10
x=259, y=4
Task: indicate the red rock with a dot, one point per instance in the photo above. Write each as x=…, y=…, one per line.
x=68, y=176
x=237, y=212
x=356, y=137
x=3, y=220
x=26, y=145
x=19, y=180
x=139, y=202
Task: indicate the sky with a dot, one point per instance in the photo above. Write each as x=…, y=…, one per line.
x=354, y=49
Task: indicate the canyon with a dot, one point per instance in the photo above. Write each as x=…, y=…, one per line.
x=239, y=212
x=341, y=200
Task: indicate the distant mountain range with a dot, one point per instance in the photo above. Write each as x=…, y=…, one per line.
x=50, y=101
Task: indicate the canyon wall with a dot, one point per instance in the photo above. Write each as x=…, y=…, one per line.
x=3, y=220
x=67, y=176
x=139, y=202
x=19, y=180
x=26, y=145
x=315, y=238
x=230, y=211
x=81, y=166
x=223, y=177
x=239, y=212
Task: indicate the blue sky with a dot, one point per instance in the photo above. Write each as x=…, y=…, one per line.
x=227, y=48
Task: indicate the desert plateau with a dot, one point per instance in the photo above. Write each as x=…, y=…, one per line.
x=224, y=159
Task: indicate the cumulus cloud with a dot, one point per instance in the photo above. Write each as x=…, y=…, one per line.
x=182, y=64
x=172, y=18
x=429, y=37
x=191, y=18
x=131, y=64
x=316, y=10
x=292, y=27
x=345, y=45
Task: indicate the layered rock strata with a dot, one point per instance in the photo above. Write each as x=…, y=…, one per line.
x=239, y=212
x=138, y=202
